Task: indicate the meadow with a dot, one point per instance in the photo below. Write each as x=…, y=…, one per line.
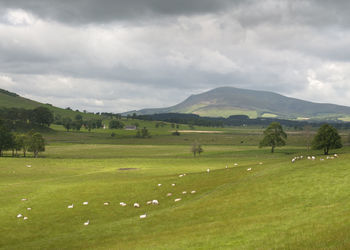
x=276, y=205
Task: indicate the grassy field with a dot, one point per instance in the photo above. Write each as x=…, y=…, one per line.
x=276, y=205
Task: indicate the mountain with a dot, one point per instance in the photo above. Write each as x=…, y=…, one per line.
x=13, y=100
x=226, y=101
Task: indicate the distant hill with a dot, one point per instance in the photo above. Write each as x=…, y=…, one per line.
x=227, y=101
x=13, y=100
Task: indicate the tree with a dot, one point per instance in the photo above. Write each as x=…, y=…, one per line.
x=6, y=139
x=196, y=148
x=42, y=116
x=327, y=138
x=67, y=123
x=274, y=136
x=36, y=144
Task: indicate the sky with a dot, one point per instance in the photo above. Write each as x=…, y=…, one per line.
x=121, y=55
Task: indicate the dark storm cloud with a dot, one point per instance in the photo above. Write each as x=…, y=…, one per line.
x=101, y=11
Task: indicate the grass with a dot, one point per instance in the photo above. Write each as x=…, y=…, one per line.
x=277, y=205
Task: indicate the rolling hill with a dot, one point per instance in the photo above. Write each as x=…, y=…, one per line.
x=226, y=101
x=13, y=100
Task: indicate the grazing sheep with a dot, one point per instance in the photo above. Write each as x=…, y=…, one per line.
x=181, y=175
x=335, y=155
x=313, y=158
x=122, y=204
x=332, y=158
x=159, y=185
x=143, y=216
x=293, y=160
x=260, y=163
x=19, y=215
x=24, y=199
x=301, y=157
x=208, y=170
x=226, y=166
x=85, y=203
x=149, y=202
x=236, y=164
x=249, y=169
x=309, y=158
x=178, y=199
x=321, y=159
x=70, y=206
x=106, y=203
x=29, y=208
x=193, y=191
x=136, y=205
x=173, y=184
x=28, y=166
x=25, y=218
x=184, y=192
x=155, y=202
x=87, y=223
x=169, y=194
x=184, y=174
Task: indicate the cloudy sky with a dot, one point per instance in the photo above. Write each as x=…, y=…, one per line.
x=120, y=55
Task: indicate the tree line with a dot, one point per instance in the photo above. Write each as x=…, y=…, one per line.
x=20, y=142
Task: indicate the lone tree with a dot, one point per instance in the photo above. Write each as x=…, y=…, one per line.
x=327, y=138
x=36, y=144
x=196, y=148
x=274, y=136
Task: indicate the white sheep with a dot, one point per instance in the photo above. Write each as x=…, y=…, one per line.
x=309, y=158
x=70, y=206
x=143, y=216
x=181, y=175
x=149, y=202
x=29, y=208
x=24, y=199
x=106, y=203
x=293, y=160
x=335, y=155
x=19, y=215
x=260, y=163
x=178, y=199
x=226, y=166
x=173, y=184
x=313, y=158
x=136, y=205
x=208, y=170
x=122, y=204
x=28, y=166
x=159, y=185
x=85, y=203
x=169, y=194
x=25, y=218
x=87, y=223
x=193, y=191
x=249, y=169
x=184, y=192
x=236, y=164
x=155, y=202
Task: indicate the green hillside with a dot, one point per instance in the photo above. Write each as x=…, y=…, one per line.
x=12, y=100
x=226, y=101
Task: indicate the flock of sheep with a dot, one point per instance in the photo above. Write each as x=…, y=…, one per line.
x=123, y=204
x=294, y=159
x=156, y=202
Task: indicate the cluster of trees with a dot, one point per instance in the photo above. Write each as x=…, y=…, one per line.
x=29, y=142
x=143, y=133
x=327, y=138
x=78, y=123
x=15, y=118
x=115, y=124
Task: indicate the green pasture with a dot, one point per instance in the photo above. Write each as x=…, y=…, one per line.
x=276, y=205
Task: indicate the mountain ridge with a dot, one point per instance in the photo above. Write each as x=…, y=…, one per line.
x=226, y=101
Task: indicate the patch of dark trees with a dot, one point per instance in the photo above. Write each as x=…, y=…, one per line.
x=26, y=119
x=235, y=120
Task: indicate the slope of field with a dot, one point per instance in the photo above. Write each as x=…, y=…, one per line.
x=16, y=101
x=276, y=205
x=226, y=101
